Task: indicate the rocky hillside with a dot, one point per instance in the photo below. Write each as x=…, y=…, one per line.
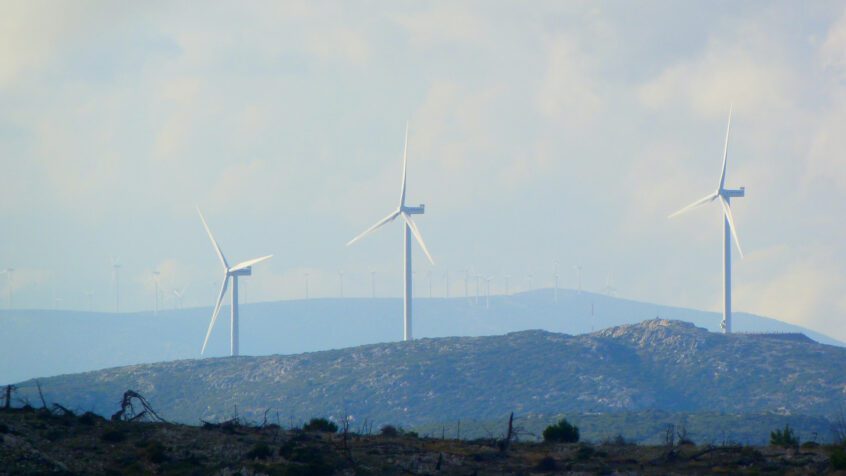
x=655, y=365
x=55, y=342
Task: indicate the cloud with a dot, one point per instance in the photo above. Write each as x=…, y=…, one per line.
x=743, y=67
x=795, y=284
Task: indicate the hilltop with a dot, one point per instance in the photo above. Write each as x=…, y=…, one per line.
x=657, y=364
x=47, y=343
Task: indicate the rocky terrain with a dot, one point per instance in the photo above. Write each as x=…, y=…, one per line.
x=657, y=365
x=53, y=342
x=58, y=442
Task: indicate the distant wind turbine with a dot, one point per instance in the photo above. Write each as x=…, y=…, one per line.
x=116, y=282
x=724, y=195
x=244, y=268
x=488, y=280
x=341, y=282
x=578, y=269
x=156, y=290
x=10, y=274
x=410, y=227
x=179, y=294
x=555, y=276
x=90, y=296
x=373, y=284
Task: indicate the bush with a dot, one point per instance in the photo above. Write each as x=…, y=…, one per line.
x=547, y=464
x=113, y=436
x=89, y=419
x=389, y=430
x=838, y=458
x=320, y=424
x=561, y=432
x=155, y=452
x=784, y=438
x=260, y=451
x=584, y=453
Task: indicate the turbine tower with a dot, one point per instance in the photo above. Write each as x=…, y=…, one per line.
x=179, y=294
x=10, y=273
x=244, y=268
x=116, y=282
x=156, y=274
x=410, y=228
x=725, y=195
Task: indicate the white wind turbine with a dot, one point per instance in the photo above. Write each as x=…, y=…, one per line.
x=409, y=228
x=243, y=268
x=724, y=195
x=179, y=294
x=10, y=274
x=116, y=281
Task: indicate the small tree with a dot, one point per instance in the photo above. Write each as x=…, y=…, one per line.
x=320, y=424
x=784, y=438
x=561, y=432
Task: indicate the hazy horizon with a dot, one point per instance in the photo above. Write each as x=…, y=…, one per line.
x=542, y=133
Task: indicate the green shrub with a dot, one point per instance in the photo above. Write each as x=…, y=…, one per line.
x=155, y=452
x=113, y=436
x=547, y=463
x=838, y=458
x=784, y=438
x=389, y=430
x=584, y=453
x=322, y=425
x=561, y=432
x=260, y=451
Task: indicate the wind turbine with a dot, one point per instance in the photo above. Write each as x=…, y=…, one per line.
x=555, y=276
x=156, y=274
x=10, y=273
x=90, y=296
x=306, y=285
x=409, y=228
x=179, y=294
x=244, y=268
x=725, y=195
x=578, y=269
x=116, y=281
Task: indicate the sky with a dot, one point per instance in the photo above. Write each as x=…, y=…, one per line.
x=542, y=136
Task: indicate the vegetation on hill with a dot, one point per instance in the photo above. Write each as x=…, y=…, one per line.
x=42, y=441
x=657, y=365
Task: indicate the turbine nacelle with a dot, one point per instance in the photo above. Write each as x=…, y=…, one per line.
x=418, y=210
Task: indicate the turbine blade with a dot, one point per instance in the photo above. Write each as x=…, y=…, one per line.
x=417, y=235
x=698, y=203
x=373, y=228
x=214, y=242
x=730, y=217
x=247, y=264
x=725, y=154
x=216, y=311
x=404, y=165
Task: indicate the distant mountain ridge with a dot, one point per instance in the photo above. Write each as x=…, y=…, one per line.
x=654, y=365
x=49, y=343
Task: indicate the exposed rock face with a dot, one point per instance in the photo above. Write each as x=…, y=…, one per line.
x=656, y=364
